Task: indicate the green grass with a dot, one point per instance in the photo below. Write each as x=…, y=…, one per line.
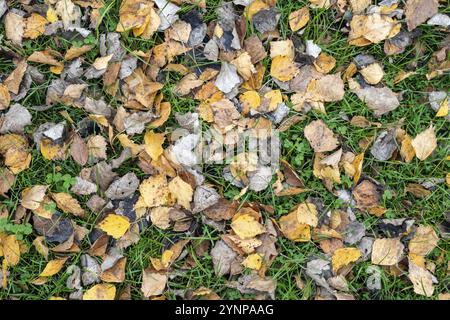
x=394, y=175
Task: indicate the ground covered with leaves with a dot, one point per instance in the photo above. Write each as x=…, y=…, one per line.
x=104, y=104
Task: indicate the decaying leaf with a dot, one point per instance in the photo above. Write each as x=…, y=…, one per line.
x=320, y=137
x=387, y=251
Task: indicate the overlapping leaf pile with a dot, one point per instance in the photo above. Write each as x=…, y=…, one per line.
x=244, y=73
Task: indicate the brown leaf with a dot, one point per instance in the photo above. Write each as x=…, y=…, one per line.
x=367, y=194
x=68, y=204
x=320, y=137
x=418, y=11
x=7, y=179
x=15, y=78
x=79, y=150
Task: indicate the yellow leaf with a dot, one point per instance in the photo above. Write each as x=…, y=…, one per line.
x=443, y=109
x=253, y=261
x=307, y=214
x=34, y=26
x=324, y=63
x=343, y=257
x=102, y=62
x=127, y=143
x=75, y=52
x=246, y=227
x=293, y=230
x=283, y=68
x=254, y=8
x=11, y=250
x=38, y=243
x=298, y=19
x=275, y=98
x=51, y=151
x=357, y=165
x=153, y=144
x=51, y=15
x=181, y=191
x=166, y=257
x=250, y=100
x=155, y=191
x=115, y=225
x=5, y=97
x=53, y=267
x=101, y=291
x=57, y=69
x=406, y=149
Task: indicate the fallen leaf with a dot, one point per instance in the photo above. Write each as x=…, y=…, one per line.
x=320, y=137
x=343, y=257
x=424, y=143
x=15, y=120
x=422, y=280
x=53, y=267
x=153, y=283
x=34, y=26
x=298, y=19
x=246, y=227
x=97, y=147
x=424, y=241
x=222, y=257
x=32, y=197
x=155, y=191
x=418, y=11
x=387, y=251
x=283, y=68
x=253, y=261
x=114, y=225
x=181, y=191
x=102, y=291
x=11, y=250
x=293, y=229
x=153, y=144
x=68, y=204
x=123, y=187
x=14, y=27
